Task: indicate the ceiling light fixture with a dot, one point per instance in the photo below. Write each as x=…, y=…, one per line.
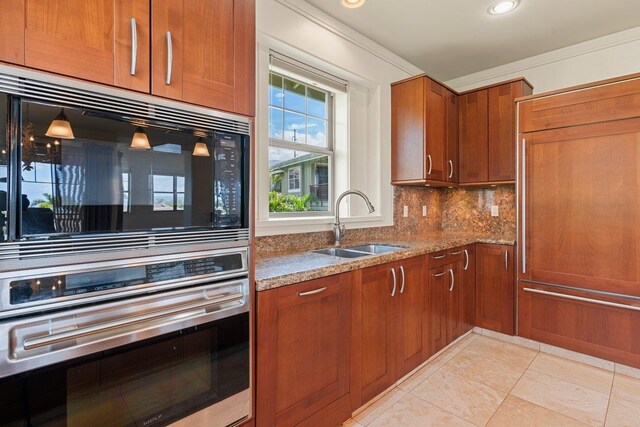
x=140, y=140
x=60, y=127
x=501, y=7
x=352, y=4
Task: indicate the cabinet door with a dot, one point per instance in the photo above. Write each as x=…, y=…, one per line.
x=91, y=40
x=304, y=339
x=407, y=131
x=473, y=148
x=468, y=278
x=454, y=301
x=494, y=288
x=436, y=132
x=375, y=311
x=438, y=294
x=574, y=237
x=502, y=129
x=452, y=137
x=12, y=35
x=412, y=345
x=212, y=44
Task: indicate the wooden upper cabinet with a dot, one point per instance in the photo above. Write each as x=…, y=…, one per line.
x=203, y=52
x=436, y=132
x=502, y=129
x=472, y=137
x=304, y=338
x=12, y=35
x=495, y=281
x=422, y=142
x=91, y=40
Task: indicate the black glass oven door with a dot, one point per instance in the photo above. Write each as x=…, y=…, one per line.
x=149, y=383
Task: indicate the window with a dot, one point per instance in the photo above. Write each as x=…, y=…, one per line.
x=168, y=193
x=300, y=144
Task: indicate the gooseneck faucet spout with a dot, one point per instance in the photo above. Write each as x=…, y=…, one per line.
x=338, y=229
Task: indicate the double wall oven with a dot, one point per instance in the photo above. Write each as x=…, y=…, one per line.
x=124, y=253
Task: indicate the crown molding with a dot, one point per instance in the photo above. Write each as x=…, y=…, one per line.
x=318, y=17
x=520, y=67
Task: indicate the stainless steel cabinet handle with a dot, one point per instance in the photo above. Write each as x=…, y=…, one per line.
x=31, y=343
x=439, y=274
x=523, y=238
x=450, y=168
x=439, y=256
x=393, y=291
x=466, y=259
x=455, y=253
x=169, y=58
x=402, y=274
x=430, y=164
x=313, y=292
x=134, y=46
x=589, y=300
x=453, y=280
x=506, y=259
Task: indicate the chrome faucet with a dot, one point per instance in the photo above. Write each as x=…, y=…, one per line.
x=338, y=229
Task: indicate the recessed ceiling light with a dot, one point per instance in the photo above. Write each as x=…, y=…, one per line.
x=352, y=4
x=503, y=6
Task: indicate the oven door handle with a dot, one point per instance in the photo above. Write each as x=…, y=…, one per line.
x=33, y=343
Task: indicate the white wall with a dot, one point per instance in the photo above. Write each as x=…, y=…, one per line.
x=598, y=59
x=297, y=29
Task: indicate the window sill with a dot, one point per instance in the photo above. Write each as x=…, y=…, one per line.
x=275, y=226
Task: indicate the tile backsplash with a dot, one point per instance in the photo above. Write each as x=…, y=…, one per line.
x=456, y=209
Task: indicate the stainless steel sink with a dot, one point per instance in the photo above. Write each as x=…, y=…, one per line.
x=374, y=249
x=342, y=253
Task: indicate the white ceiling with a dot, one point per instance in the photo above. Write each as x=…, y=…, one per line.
x=453, y=38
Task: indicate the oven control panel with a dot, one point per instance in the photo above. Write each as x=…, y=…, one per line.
x=78, y=284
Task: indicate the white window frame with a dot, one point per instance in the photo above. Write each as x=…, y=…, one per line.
x=294, y=169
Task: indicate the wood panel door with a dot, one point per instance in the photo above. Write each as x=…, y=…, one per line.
x=455, y=286
x=412, y=347
x=587, y=324
x=212, y=49
x=452, y=137
x=91, y=40
x=375, y=311
x=11, y=32
x=436, y=132
x=468, y=277
x=495, y=288
x=438, y=295
x=304, y=338
x=407, y=130
x=502, y=129
x=582, y=207
x=473, y=149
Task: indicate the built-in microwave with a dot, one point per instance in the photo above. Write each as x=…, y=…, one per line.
x=85, y=170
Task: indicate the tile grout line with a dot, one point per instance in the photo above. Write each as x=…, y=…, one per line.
x=606, y=413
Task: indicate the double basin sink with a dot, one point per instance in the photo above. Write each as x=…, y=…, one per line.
x=358, y=251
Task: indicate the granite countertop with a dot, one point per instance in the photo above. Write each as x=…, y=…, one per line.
x=276, y=270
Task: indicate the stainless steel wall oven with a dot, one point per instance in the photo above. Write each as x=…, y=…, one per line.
x=124, y=252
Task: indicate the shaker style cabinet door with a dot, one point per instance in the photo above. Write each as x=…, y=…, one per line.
x=472, y=137
x=438, y=299
x=304, y=336
x=104, y=41
x=436, y=132
x=495, y=280
x=203, y=52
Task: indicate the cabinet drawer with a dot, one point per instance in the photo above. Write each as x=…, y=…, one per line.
x=438, y=259
x=583, y=321
x=455, y=254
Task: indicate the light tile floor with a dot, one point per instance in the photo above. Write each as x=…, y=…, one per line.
x=482, y=381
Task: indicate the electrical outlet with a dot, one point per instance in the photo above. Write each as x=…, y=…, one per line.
x=405, y=211
x=424, y=211
x=495, y=211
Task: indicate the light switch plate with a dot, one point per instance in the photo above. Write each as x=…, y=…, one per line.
x=405, y=211
x=495, y=211
x=424, y=211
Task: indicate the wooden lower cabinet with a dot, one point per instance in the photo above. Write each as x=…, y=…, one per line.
x=390, y=334
x=495, y=282
x=589, y=325
x=468, y=277
x=303, y=356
